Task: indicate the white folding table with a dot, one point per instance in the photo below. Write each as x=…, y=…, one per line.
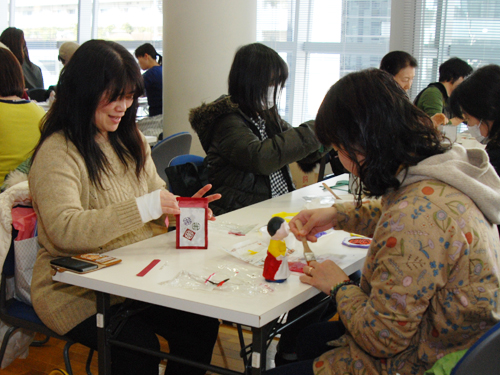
x=257, y=312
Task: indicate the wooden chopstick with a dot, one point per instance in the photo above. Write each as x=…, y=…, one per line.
x=331, y=191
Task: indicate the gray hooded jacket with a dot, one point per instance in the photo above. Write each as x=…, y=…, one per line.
x=467, y=170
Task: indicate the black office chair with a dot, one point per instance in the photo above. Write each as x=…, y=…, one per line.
x=20, y=315
x=482, y=357
x=163, y=152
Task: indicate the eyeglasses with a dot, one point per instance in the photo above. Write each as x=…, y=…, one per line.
x=61, y=59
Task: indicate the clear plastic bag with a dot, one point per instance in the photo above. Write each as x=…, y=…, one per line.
x=233, y=228
x=313, y=202
x=18, y=346
x=225, y=279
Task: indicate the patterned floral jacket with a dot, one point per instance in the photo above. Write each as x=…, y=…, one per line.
x=430, y=282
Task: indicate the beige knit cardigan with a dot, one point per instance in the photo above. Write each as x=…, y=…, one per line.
x=76, y=217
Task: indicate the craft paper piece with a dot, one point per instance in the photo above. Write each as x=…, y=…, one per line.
x=233, y=228
x=252, y=251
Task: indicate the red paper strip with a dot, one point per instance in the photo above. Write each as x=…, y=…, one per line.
x=149, y=267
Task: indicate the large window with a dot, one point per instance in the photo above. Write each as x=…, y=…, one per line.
x=468, y=29
x=49, y=23
x=322, y=40
x=130, y=20
x=46, y=24
x=326, y=39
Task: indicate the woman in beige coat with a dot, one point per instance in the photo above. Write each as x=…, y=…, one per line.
x=430, y=280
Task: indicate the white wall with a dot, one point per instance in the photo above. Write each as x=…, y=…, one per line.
x=4, y=15
x=200, y=38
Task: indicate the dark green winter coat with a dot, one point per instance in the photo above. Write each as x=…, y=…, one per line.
x=239, y=162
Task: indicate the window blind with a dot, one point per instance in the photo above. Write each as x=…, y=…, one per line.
x=322, y=40
x=468, y=29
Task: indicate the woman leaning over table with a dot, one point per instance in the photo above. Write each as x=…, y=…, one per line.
x=430, y=283
x=95, y=188
x=248, y=145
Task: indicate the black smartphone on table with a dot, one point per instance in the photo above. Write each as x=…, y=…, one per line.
x=73, y=264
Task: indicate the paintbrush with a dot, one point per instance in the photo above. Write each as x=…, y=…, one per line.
x=308, y=254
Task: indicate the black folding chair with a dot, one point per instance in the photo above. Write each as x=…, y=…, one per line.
x=482, y=357
x=21, y=315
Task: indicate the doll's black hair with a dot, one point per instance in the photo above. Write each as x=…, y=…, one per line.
x=274, y=225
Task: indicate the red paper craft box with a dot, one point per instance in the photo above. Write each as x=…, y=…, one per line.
x=192, y=223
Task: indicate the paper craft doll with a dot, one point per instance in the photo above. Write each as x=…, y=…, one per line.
x=276, y=263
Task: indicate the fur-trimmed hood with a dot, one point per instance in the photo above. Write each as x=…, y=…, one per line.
x=13, y=178
x=202, y=118
x=17, y=194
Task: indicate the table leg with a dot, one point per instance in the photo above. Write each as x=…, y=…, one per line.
x=259, y=349
x=102, y=321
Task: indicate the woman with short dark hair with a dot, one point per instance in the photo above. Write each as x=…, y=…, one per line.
x=19, y=118
x=434, y=99
x=402, y=66
x=428, y=287
x=248, y=144
x=478, y=98
x=95, y=188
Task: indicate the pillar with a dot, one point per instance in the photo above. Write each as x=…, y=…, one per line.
x=200, y=38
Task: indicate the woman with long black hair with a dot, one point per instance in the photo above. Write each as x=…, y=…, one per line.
x=477, y=99
x=248, y=144
x=13, y=38
x=95, y=188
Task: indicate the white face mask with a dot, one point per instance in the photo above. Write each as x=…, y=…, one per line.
x=270, y=97
x=476, y=133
